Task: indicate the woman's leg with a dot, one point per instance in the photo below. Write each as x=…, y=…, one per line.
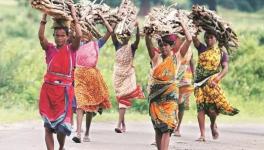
x=187, y=102
x=77, y=138
x=61, y=140
x=123, y=125
x=201, y=121
x=89, y=117
x=180, y=115
x=121, y=119
x=80, y=113
x=158, y=137
x=165, y=141
x=212, y=115
x=49, y=139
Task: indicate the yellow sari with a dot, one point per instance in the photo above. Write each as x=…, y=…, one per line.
x=207, y=97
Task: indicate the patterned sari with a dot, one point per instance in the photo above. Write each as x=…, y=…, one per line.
x=163, y=95
x=124, y=76
x=90, y=89
x=184, y=77
x=207, y=97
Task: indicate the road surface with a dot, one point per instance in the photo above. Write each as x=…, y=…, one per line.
x=29, y=135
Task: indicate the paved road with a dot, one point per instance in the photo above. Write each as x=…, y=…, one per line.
x=30, y=136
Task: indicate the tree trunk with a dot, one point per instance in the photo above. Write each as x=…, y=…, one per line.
x=144, y=7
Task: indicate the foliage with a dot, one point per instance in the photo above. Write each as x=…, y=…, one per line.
x=243, y=5
x=22, y=64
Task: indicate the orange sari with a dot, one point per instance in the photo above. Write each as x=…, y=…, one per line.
x=163, y=95
x=91, y=90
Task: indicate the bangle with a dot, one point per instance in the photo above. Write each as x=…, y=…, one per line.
x=43, y=22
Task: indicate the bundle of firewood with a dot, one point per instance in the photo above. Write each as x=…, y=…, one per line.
x=88, y=14
x=167, y=20
x=58, y=9
x=128, y=14
x=209, y=21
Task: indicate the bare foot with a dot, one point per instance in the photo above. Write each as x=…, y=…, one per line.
x=118, y=130
x=215, y=133
x=86, y=139
x=154, y=143
x=123, y=127
x=177, y=133
x=201, y=139
x=77, y=138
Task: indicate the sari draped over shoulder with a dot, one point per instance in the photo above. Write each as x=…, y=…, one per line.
x=55, y=104
x=207, y=97
x=163, y=95
x=124, y=77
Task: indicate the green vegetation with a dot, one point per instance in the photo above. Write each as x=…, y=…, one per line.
x=22, y=66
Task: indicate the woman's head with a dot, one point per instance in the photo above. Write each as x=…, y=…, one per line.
x=210, y=39
x=165, y=44
x=61, y=31
x=61, y=35
x=124, y=39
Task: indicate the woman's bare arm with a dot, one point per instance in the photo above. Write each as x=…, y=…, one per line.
x=41, y=34
x=108, y=27
x=149, y=46
x=186, y=44
x=76, y=41
x=137, y=35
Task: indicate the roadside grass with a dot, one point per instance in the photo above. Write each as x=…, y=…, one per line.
x=250, y=112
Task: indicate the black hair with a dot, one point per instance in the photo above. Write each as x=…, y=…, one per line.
x=160, y=43
x=167, y=39
x=210, y=33
x=66, y=29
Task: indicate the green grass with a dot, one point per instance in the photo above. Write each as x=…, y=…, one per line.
x=13, y=115
x=242, y=21
x=250, y=112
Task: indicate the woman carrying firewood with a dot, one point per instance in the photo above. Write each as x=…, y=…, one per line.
x=163, y=89
x=184, y=81
x=55, y=104
x=212, y=67
x=90, y=89
x=124, y=76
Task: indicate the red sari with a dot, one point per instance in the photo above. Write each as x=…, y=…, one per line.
x=55, y=104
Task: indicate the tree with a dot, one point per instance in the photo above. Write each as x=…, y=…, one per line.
x=144, y=7
x=211, y=3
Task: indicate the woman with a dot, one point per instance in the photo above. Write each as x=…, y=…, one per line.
x=184, y=82
x=124, y=76
x=212, y=67
x=57, y=91
x=90, y=89
x=163, y=90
